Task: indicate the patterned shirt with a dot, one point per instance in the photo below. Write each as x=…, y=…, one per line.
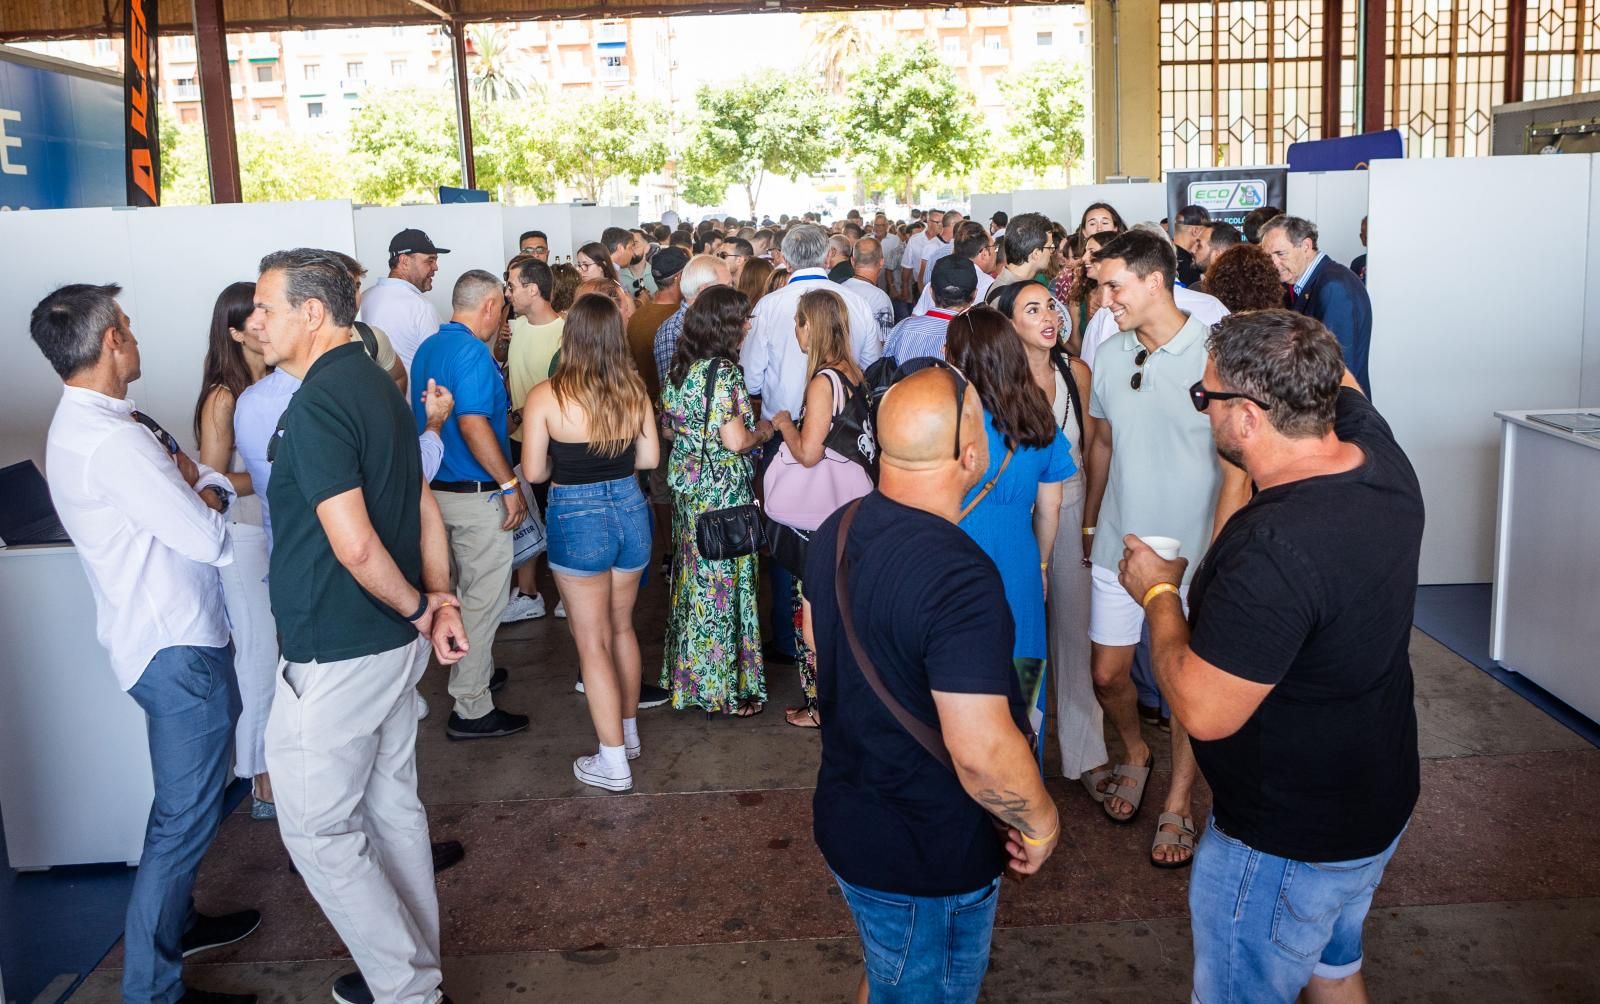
x=667, y=341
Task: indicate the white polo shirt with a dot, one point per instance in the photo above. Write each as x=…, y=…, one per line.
x=400, y=309
x=925, y=301
x=1203, y=307
x=911, y=255
x=774, y=366
x=877, y=299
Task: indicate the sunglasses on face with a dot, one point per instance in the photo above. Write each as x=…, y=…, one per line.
x=1202, y=398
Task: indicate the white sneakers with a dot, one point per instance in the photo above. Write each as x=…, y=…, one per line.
x=524, y=608
x=594, y=771
x=561, y=610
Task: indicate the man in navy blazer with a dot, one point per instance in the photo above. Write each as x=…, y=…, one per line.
x=1323, y=288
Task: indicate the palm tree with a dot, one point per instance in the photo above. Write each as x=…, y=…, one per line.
x=838, y=43
x=496, y=69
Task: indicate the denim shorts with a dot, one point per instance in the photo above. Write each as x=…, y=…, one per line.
x=598, y=528
x=923, y=949
x=1264, y=925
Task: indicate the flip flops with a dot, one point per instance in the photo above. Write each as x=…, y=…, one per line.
x=1183, y=838
x=1129, y=786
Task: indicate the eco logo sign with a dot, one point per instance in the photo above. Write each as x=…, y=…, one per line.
x=1228, y=196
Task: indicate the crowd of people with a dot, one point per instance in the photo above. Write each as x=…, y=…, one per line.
x=976, y=463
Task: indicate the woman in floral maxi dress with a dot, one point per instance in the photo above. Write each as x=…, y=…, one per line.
x=712, y=658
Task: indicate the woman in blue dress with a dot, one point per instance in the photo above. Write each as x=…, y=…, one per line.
x=1014, y=511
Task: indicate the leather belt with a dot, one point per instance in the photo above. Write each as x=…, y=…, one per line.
x=464, y=487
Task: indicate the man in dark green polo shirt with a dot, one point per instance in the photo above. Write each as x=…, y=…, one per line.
x=359, y=582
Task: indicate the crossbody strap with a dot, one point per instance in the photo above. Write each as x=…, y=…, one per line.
x=369, y=341
x=711, y=389
x=1010, y=451
x=926, y=735
x=1064, y=367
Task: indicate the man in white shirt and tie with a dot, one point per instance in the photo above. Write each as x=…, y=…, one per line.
x=395, y=303
x=147, y=524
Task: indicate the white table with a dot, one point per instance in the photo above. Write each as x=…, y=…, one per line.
x=1546, y=616
x=75, y=783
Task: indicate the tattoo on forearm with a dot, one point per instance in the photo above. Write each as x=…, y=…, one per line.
x=1008, y=807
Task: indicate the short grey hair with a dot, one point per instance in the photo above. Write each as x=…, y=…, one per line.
x=69, y=324
x=1295, y=228
x=868, y=252
x=1284, y=359
x=1154, y=228
x=474, y=286
x=843, y=245
x=315, y=274
x=804, y=246
x=703, y=270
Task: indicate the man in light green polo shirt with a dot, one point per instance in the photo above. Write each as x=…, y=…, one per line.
x=1153, y=471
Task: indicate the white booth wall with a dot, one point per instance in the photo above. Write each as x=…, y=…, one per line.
x=472, y=231
x=1335, y=201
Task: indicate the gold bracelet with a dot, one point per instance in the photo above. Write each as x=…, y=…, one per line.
x=1044, y=566
x=1041, y=841
x=1157, y=590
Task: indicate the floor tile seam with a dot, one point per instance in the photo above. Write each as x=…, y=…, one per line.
x=585, y=797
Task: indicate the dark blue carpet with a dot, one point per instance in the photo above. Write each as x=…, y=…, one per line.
x=1457, y=617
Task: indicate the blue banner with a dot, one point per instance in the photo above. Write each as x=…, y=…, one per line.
x=61, y=136
x=1347, y=153
x=450, y=194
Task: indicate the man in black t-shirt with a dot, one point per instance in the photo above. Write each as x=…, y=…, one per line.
x=359, y=581
x=1294, y=679
x=918, y=845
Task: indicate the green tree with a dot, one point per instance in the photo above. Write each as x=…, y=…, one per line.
x=185, y=177
x=908, y=119
x=277, y=165
x=764, y=124
x=838, y=43
x=405, y=143
x=607, y=137
x=1047, y=105
x=514, y=151
x=496, y=71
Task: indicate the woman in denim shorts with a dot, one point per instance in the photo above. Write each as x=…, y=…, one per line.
x=588, y=430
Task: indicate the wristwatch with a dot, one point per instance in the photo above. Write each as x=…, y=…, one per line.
x=222, y=497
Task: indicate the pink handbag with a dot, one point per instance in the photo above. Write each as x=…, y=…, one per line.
x=803, y=497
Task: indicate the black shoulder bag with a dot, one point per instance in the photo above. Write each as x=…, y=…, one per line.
x=1064, y=367
x=736, y=531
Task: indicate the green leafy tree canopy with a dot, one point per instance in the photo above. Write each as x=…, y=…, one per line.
x=765, y=124
x=608, y=137
x=1045, y=130
x=907, y=118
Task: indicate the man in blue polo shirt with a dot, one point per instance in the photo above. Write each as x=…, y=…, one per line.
x=476, y=491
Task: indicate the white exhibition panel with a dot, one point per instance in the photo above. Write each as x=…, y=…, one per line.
x=1054, y=203
x=1335, y=201
x=1589, y=392
x=1453, y=343
x=555, y=221
x=588, y=223
x=472, y=231
x=1136, y=202
x=626, y=217
x=984, y=205
x=172, y=262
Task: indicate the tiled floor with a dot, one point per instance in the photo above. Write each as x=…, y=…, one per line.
x=703, y=885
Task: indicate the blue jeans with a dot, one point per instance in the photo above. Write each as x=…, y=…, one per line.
x=782, y=607
x=191, y=700
x=1264, y=925
x=923, y=949
x=597, y=528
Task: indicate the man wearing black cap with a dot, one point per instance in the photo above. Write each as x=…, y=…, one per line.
x=953, y=286
x=665, y=267
x=1188, y=234
x=395, y=303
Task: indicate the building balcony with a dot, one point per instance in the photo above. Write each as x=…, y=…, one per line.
x=954, y=57
x=611, y=31
x=910, y=20
x=992, y=57
x=266, y=88
x=570, y=33
x=950, y=17
x=351, y=85
x=184, y=92
x=991, y=16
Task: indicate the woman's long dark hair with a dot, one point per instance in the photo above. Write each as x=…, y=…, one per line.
x=596, y=252
x=713, y=327
x=984, y=346
x=225, y=365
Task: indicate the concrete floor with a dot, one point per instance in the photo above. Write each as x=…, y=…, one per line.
x=703, y=884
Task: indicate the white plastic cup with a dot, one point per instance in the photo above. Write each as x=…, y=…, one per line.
x=1167, y=547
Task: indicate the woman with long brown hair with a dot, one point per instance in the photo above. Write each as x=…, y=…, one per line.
x=753, y=280
x=587, y=430
x=712, y=658
x=822, y=328
x=1014, y=512
x=594, y=262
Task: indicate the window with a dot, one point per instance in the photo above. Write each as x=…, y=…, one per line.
x=183, y=82
x=310, y=35
x=183, y=43
x=355, y=69
x=313, y=109
x=264, y=73
x=189, y=115
x=1043, y=38
x=952, y=45
x=312, y=71
x=398, y=31
x=993, y=41
x=397, y=67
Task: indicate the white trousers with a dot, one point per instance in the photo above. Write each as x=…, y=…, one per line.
x=342, y=748
x=255, y=644
x=1080, y=724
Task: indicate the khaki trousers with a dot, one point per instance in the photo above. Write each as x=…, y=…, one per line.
x=480, y=573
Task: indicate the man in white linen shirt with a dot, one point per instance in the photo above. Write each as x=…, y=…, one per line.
x=868, y=264
x=774, y=364
x=147, y=524
x=395, y=303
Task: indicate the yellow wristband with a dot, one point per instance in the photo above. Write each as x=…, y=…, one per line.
x=1088, y=531
x=1044, y=566
x=1040, y=841
x=509, y=485
x=1157, y=590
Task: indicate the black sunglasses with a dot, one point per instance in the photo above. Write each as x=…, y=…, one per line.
x=1139, y=361
x=959, y=379
x=165, y=438
x=1202, y=398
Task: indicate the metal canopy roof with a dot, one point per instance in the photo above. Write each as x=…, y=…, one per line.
x=46, y=19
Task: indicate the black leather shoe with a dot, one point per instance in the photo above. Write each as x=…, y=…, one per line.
x=351, y=988
x=772, y=654
x=651, y=696
x=497, y=679
x=447, y=854
x=214, y=932
x=193, y=996
x=495, y=723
